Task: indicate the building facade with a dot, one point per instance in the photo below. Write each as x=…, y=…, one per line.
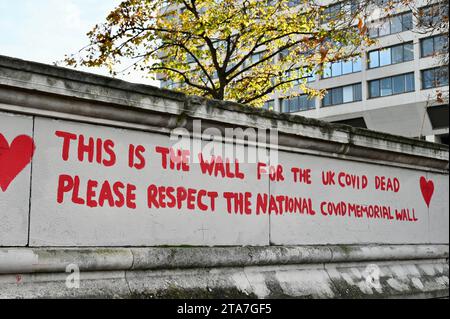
x=393, y=87
x=399, y=85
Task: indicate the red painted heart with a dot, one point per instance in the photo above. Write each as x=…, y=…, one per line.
x=427, y=188
x=14, y=158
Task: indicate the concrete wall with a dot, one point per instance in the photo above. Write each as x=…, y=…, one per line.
x=58, y=192
x=14, y=179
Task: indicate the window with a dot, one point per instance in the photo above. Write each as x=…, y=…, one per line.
x=336, y=10
x=343, y=94
x=433, y=45
x=398, y=84
x=269, y=105
x=408, y=52
x=347, y=67
x=441, y=44
x=385, y=28
x=435, y=77
x=407, y=21
x=300, y=74
x=374, y=89
x=386, y=87
x=357, y=92
x=373, y=32
x=347, y=94
x=397, y=54
x=326, y=101
x=392, y=55
x=357, y=65
x=374, y=60
x=426, y=47
x=352, y=65
x=337, y=96
x=385, y=57
x=298, y=103
x=433, y=15
x=409, y=82
x=396, y=24
x=336, y=68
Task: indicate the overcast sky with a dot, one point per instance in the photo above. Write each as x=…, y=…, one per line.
x=46, y=30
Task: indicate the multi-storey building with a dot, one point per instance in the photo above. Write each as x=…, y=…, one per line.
x=399, y=85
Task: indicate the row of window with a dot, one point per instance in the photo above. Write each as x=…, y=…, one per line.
x=297, y=103
x=301, y=74
x=343, y=94
x=428, y=17
x=395, y=24
x=433, y=15
x=336, y=10
x=392, y=85
x=342, y=67
x=404, y=52
x=403, y=83
x=386, y=56
x=391, y=55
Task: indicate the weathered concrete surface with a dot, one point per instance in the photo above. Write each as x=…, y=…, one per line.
x=273, y=272
x=56, y=98
x=48, y=260
x=67, y=224
x=14, y=205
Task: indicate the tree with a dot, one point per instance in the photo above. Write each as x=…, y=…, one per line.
x=238, y=50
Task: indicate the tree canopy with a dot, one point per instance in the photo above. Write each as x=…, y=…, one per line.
x=238, y=50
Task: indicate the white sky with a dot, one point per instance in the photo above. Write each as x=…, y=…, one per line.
x=45, y=30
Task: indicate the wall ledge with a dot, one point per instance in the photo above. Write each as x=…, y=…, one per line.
x=41, y=260
x=39, y=89
x=404, y=271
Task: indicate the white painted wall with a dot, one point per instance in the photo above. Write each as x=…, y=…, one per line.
x=71, y=224
x=68, y=224
x=432, y=225
x=14, y=200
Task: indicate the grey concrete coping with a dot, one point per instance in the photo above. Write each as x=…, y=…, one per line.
x=53, y=260
x=39, y=89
